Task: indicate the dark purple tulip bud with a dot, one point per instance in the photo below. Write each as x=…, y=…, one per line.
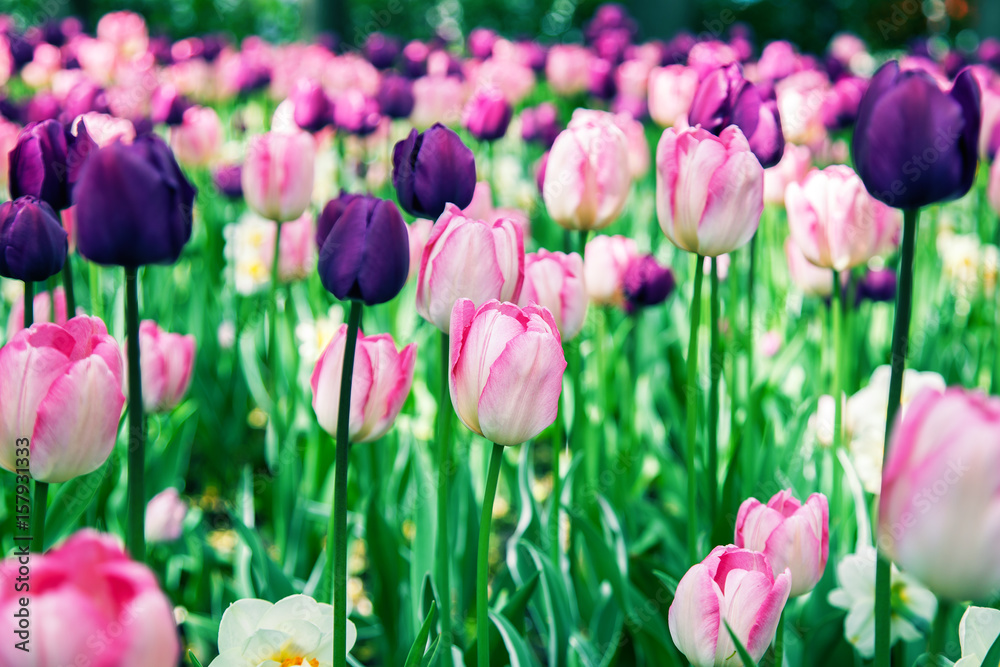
x=331, y=213
x=43, y=106
x=646, y=283
x=213, y=45
x=366, y=256
x=487, y=114
x=84, y=97
x=357, y=114
x=168, y=105
x=676, y=51
x=133, y=204
x=541, y=124
x=611, y=45
x=159, y=46
x=52, y=33
x=312, y=108
x=22, y=51
x=11, y=110
x=382, y=50
x=395, y=96
x=768, y=141
x=635, y=106
x=878, y=286
x=915, y=144
x=228, y=180
x=432, y=169
x=33, y=244
x=610, y=16
x=840, y=109
x=46, y=161
x=601, y=83
x=725, y=98
x=535, y=54
x=481, y=41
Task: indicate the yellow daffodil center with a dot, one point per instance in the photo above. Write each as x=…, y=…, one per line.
x=295, y=662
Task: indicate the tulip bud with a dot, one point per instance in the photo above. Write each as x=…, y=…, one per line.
x=431, y=170
x=395, y=96
x=487, y=114
x=197, y=140
x=791, y=534
x=671, y=91
x=331, y=213
x=709, y=190
x=731, y=586
x=541, y=124
x=940, y=493
x=646, y=283
x=46, y=162
x=165, y=514
x=168, y=105
x=472, y=259
x=381, y=50
x=725, y=98
x=380, y=384
x=356, y=113
x=228, y=180
x=312, y=108
x=811, y=279
x=70, y=380
x=605, y=261
x=278, y=174
x=134, y=205
x=505, y=369
x=915, y=144
x=167, y=361
x=554, y=280
x=366, y=255
x=878, y=285
x=33, y=244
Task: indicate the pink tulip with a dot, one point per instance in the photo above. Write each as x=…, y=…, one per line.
x=567, y=68
x=734, y=586
x=514, y=79
x=587, y=178
x=278, y=174
x=42, y=310
x=705, y=57
x=102, y=609
x=671, y=90
x=471, y=259
x=419, y=232
x=835, y=222
x=126, y=31
x=505, y=369
x=709, y=190
x=380, y=384
x=939, y=516
x=197, y=140
x=60, y=386
x=167, y=361
x=165, y=514
x=633, y=130
x=605, y=261
x=790, y=534
x=105, y=129
x=792, y=168
x=554, y=280
x=811, y=279
x=437, y=99
x=632, y=78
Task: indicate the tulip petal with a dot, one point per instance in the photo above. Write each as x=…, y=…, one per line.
x=695, y=618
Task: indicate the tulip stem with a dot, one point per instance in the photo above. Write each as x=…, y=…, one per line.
x=338, y=513
x=444, y=473
x=900, y=335
x=838, y=389
x=38, y=516
x=713, y=398
x=748, y=343
x=29, y=303
x=482, y=566
x=136, y=538
x=272, y=336
x=691, y=406
x=67, y=278
x=558, y=441
x=96, y=302
x=939, y=631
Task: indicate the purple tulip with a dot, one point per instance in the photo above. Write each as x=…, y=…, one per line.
x=541, y=124
x=33, y=244
x=609, y=17
x=433, y=169
x=228, y=180
x=840, y=110
x=395, y=96
x=331, y=214
x=415, y=59
x=312, y=108
x=915, y=144
x=768, y=141
x=878, y=286
x=84, y=97
x=356, y=113
x=168, y=105
x=646, y=283
x=381, y=50
x=11, y=110
x=534, y=53
x=43, y=106
x=487, y=114
x=601, y=81
x=366, y=256
x=725, y=98
x=133, y=204
x=46, y=162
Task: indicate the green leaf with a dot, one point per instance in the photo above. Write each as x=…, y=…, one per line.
x=270, y=579
x=71, y=501
x=194, y=659
x=667, y=580
x=748, y=661
x=517, y=648
x=516, y=606
x=416, y=654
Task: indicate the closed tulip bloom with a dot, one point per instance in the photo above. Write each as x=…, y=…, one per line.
x=768, y=141
x=505, y=369
x=646, y=283
x=731, y=586
x=278, y=174
x=419, y=232
x=811, y=279
x=835, y=222
x=395, y=96
x=431, y=170
x=167, y=361
x=605, y=261
x=709, y=190
x=168, y=105
x=791, y=534
x=60, y=386
x=671, y=91
x=366, y=255
x=725, y=98
x=165, y=514
x=541, y=124
x=197, y=140
x=567, y=68
x=938, y=516
x=915, y=144
x=134, y=205
x=312, y=109
x=381, y=50
x=487, y=114
x=587, y=179
x=45, y=162
x=380, y=384
x=228, y=180
x=878, y=285
x=791, y=168
x=471, y=259
x=331, y=213
x=33, y=244
x=356, y=113
x=554, y=280
x=111, y=608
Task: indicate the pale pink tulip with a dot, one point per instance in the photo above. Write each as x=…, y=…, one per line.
x=505, y=369
x=165, y=514
x=605, y=261
x=42, y=310
x=731, y=586
x=60, y=386
x=126, y=31
x=419, y=232
x=811, y=279
x=471, y=259
x=554, y=280
x=167, y=361
x=197, y=140
x=792, y=168
x=381, y=382
x=437, y=99
x=671, y=90
x=105, y=129
x=104, y=609
x=791, y=534
x=278, y=174
x=635, y=136
x=709, y=190
x=567, y=68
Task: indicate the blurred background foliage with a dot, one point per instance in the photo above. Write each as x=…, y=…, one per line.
x=810, y=23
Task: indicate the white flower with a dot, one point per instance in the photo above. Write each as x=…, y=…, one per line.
x=976, y=633
x=250, y=251
x=294, y=631
x=910, y=601
x=314, y=336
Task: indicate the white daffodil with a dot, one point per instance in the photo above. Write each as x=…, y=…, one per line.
x=978, y=630
x=296, y=631
x=912, y=604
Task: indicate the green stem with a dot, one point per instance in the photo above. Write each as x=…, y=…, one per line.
x=900, y=335
x=482, y=558
x=38, y=516
x=779, y=640
x=713, y=399
x=444, y=475
x=691, y=405
x=749, y=341
x=67, y=277
x=273, y=357
x=136, y=541
x=836, y=345
x=939, y=631
x=338, y=514
x=96, y=302
x=555, y=548
x=29, y=303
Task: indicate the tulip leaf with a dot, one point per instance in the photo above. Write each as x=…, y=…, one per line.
x=993, y=655
x=71, y=501
x=745, y=656
x=416, y=654
x=270, y=578
x=667, y=580
x=386, y=568
x=194, y=659
x=517, y=649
